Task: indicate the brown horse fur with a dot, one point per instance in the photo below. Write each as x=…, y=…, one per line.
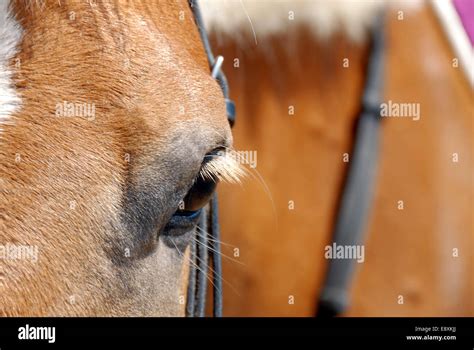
x=92, y=194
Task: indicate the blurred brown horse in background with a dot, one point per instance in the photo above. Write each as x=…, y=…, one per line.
x=297, y=105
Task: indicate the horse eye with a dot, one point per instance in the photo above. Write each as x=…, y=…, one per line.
x=199, y=194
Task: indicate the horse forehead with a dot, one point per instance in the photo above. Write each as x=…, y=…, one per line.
x=150, y=54
x=177, y=76
x=143, y=66
x=180, y=76
x=177, y=67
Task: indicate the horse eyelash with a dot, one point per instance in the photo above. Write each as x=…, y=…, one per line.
x=222, y=167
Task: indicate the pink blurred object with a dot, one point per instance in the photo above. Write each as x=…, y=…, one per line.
x=465, y=9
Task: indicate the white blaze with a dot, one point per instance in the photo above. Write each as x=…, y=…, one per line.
x=10, y=36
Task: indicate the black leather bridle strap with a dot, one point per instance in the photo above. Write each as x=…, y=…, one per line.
x=357, y=194
x=191, y=293
x=215, y=245
x=221, y=78
x=202, y=265
x=207, y=246
x=199, y=269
